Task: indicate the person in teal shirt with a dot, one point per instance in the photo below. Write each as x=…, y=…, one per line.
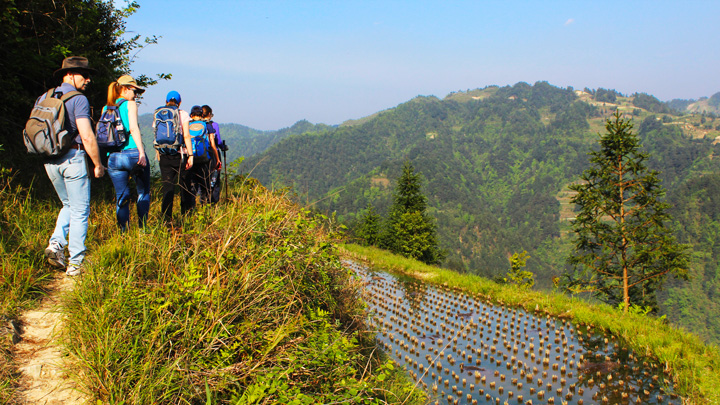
x=130, y=161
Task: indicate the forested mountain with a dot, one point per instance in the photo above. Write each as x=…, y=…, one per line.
x=709, y=105
x=696, y=304
x=245, y=141
x=496, y=163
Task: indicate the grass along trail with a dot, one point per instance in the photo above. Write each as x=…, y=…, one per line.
x=38, y=356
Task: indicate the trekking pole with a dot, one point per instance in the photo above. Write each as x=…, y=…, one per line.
x=225, y=166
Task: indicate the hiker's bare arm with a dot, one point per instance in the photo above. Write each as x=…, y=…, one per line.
x=215, y=150
x=90, y=144
x=135, y=131
x=188, y=143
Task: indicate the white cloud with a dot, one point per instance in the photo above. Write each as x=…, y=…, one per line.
x=569, y=21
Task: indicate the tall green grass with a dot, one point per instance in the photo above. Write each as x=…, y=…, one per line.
x=694, y=365
x=245, y=302
x=25, y=227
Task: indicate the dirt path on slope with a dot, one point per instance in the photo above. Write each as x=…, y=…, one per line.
x=44, y=378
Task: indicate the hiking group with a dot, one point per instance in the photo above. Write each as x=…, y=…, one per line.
x=60, y=127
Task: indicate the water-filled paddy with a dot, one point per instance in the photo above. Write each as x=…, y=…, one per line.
x=463, y=349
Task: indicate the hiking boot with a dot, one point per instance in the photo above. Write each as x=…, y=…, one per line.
x=55, y=255
x=73, y=270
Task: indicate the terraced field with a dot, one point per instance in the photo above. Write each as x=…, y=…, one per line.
x=463, y=349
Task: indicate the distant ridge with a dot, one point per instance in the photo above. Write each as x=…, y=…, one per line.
x=708, y=105
x=495, y=163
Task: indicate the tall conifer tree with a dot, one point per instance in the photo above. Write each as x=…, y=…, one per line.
x=409, y=231
x=370, y=227
x=623, y=250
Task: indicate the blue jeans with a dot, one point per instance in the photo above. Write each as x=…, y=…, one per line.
x=121, y=166
x=69, y=176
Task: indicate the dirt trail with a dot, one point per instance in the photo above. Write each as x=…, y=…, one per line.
x=44, y=379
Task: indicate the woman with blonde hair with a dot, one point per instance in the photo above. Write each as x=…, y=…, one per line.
x=130, y=161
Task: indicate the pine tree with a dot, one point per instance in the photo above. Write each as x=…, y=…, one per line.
x=370, y=227
x=409, y=231
x=623, y=250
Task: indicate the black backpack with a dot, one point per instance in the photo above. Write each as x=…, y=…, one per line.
x=211, y=130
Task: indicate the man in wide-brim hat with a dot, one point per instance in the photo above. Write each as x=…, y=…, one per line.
x=69, y=172
x=75, y=64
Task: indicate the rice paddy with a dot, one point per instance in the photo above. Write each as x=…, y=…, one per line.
x=463, y=349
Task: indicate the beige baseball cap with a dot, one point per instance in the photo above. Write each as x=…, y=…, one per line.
x=127, y=80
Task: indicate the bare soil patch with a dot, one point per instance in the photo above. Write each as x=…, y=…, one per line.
x=39, y=357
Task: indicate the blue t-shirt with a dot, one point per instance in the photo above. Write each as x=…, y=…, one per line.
x=76, y=107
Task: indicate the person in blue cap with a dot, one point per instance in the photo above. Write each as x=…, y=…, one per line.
x=175, y=159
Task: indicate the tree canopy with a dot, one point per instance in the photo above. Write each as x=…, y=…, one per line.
x=623, y=248
x=370, y=227
x=37, y=36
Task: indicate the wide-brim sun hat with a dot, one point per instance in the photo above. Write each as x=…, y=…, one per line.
x=127, y=80
x=74, y=64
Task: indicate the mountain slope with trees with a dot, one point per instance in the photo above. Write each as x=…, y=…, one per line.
x=492, y=165
x=710, y=105
x=496, y=161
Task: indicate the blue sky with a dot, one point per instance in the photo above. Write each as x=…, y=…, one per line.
x=268, y=64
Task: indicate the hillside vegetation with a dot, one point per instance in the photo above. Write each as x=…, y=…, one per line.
x=709, y=105
x=497, y=162
x=246, y=302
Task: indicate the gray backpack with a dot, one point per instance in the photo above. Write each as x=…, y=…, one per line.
x=45, y=132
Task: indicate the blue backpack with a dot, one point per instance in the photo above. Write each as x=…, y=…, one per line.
x=168, y=130
x=199, y=140
x=110, y=132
